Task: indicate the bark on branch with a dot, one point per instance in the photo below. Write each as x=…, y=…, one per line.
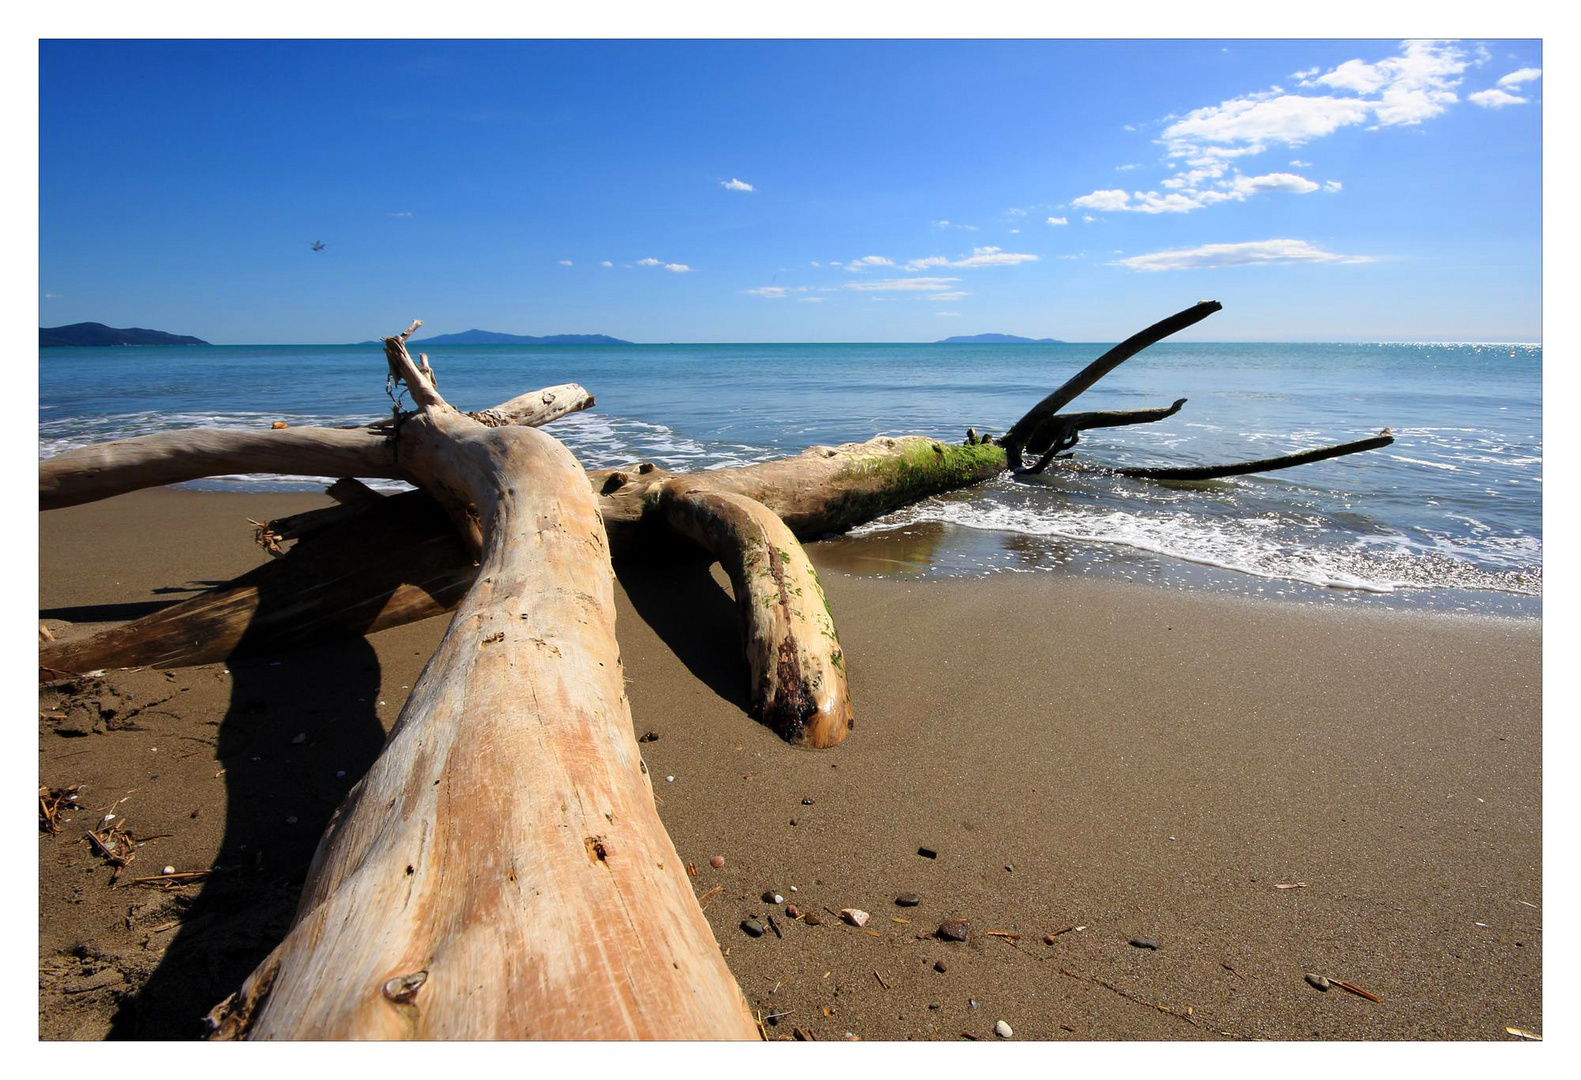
x=798, y=678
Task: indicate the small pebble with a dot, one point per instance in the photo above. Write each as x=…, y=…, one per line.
x=908, y=899
x=934, y=1005
x=927, y=853
x=772, y=897
x=108, y=817
x=168, y=870
x=1144, y=943
x=972, y=1004
x=1317, y=981
x=793, y=888
x=717, y=862
x=290, y=820
x=651, y=736
x=340, y=774
x=938, y=965
x=806, y=802
x=752, y=927
x=953, y=930
x=669, y=779
x=792, y=911
x=1002, y=1029
x=1049, y=939
x=301, y=737
x=854, y=916
x=811, y=919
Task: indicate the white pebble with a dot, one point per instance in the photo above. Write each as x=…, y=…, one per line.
x=1002, y=1029
x=793, y=888
x=108, y=817
x=669, y=779
x=168, y=870
x=854, y=916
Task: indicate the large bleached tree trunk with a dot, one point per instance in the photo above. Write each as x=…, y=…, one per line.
x=565, y=912
x=562, y=913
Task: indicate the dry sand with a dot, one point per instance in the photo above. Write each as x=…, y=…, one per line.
x=1118, y=758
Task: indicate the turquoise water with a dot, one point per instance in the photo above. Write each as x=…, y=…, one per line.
x=1453, y=508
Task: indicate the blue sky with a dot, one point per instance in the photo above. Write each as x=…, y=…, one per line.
x=793, y=191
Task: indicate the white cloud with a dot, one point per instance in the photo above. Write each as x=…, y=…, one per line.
x=648, y=262
x=941, y=224
x=919, y=284
x=1279, y=181
x=52, y=296
x=1297, y=163
x=1088, y=219
x=1494, y=98
x=769, y=292
x=948, y=314
x=815, y=264
x=948, y=297
x=1255, y=253
x=1515, y=78
x=811, y=299
x=565, y=262
x=1016, y=211
x=678, y=268
x=401, y=213
x=606, y=263
x=736, y=185
x=1307, y=74
x=869, y=260
x=1126, y=168
x=1197, y=189
x=1058, y=221
x=1113, y=199
x=1332, y=185
x=980, y=256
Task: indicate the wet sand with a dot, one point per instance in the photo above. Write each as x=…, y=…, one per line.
x=1129, y=761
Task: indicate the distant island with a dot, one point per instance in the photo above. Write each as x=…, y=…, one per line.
x=997, y=339
x=490, y=337
x=94, y=334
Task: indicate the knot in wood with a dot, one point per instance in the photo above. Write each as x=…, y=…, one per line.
x=402, y=990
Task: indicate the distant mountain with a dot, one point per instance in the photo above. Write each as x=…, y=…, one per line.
x=97, y=334
x=490, y=337
x=997, y=339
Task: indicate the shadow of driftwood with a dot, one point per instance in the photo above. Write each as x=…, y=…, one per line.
x=279, y=796
x=675, y=594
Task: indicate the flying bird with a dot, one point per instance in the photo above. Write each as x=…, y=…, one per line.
x=318, y=245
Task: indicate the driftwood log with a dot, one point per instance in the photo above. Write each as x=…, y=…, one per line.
x=417, y=920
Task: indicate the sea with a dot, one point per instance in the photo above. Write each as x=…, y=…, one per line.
x=1448, y=518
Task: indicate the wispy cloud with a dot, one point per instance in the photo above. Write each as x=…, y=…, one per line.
x=980, y=256
x=401, y=213
x=678, y=268
x=1058, y=221
x=565, y=262
x=916, y=284
x=1254, y=253
x=649, y=262
x=1525, y=75
x=606, y=263
x=948, y=314
x=953, y=225
x=769, y=292
x=1413, y=86
x=736, y=185
x=53, y=296
x=867, y=261
x=811, y=299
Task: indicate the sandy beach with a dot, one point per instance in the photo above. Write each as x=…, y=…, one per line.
x=1103, y=762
